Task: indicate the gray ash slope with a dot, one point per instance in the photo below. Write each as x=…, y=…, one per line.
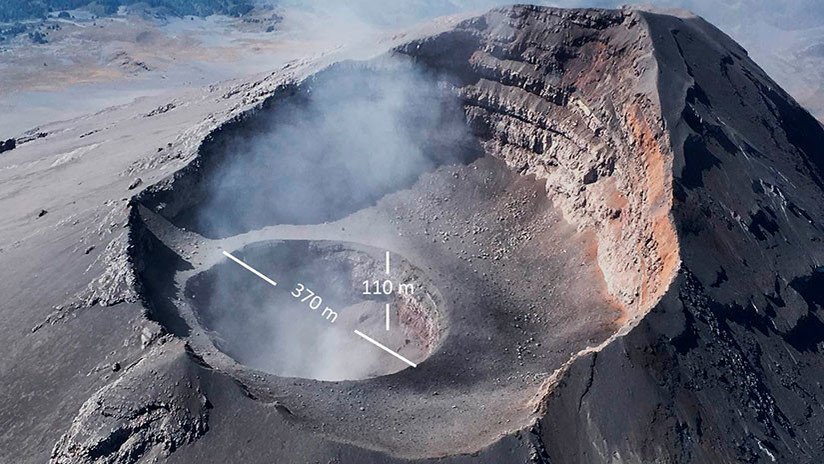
x=682, y=185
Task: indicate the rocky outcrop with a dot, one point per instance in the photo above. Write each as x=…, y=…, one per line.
x=7, y=145
x=569, y=96
x=147, y=412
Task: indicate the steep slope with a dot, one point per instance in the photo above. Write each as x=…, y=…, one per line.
x=726, y=367
x=568, y=96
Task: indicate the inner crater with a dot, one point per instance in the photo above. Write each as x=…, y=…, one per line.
x=304, y=327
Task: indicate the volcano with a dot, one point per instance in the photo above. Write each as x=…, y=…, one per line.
x=586, y=236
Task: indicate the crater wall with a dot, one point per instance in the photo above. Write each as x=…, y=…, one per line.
x=571, y=97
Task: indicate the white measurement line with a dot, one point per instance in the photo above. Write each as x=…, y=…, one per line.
x=250, y=268
x=387, y=263
x=387, y=316
x=385, y=348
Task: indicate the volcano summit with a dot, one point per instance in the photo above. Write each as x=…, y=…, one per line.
x=592, y=235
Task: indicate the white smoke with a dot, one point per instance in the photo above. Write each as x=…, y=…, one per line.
x=337, y=144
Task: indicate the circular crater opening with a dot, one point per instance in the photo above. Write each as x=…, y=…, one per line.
x=305, y=326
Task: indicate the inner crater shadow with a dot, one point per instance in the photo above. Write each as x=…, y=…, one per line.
x=319, y=151
x=310, y=335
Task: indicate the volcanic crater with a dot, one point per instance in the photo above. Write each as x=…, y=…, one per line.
x=275, y=332
x=402, y=155
x=591, y=283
